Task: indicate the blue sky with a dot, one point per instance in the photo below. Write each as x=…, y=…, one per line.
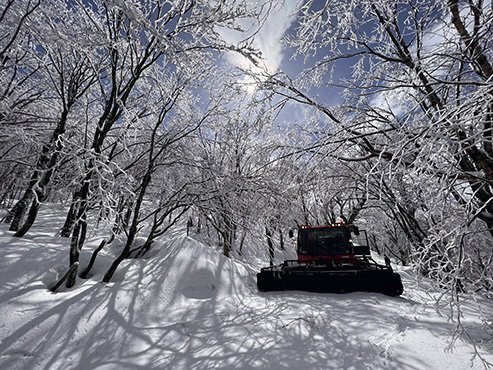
x=281, y=22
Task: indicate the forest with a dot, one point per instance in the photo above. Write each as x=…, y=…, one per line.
x=134, y=116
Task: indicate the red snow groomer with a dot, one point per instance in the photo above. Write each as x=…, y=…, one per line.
x=332, y=258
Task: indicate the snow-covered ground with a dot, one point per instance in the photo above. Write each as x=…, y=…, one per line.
x=188, y=307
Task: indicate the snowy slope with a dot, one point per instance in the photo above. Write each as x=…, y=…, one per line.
x=188, y=307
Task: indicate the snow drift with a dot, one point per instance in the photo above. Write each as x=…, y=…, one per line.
x=188, y=307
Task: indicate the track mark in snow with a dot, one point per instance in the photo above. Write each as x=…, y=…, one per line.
x=18, y=353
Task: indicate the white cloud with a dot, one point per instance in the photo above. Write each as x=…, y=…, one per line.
x=266, y=36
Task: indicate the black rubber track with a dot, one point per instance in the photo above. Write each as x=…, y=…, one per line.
x=329, y=281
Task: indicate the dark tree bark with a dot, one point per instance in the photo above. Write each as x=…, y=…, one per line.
x=85, y=274
x=71, y=215
x=17, y=212
x=281, y=240
x=270, y=244
x=132, y=232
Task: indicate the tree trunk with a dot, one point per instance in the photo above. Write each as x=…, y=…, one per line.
x=111, y=271
x=270, y=244
x=227, y=234
x=128, y=214
x=189, y=225
x=131, y=237
x=117, y=224
x=145, y=248
x=281, y=240
x=87, y=270
x=70, y=219
x=242, y=242
x=41, y=177
x=31, y=217
x=133, y=227
x=64, y=277
x=73, y=256
x=227, y=247
x=79, y=233
x=17, y=212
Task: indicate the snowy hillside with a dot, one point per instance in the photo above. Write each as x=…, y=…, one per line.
x=188, y=307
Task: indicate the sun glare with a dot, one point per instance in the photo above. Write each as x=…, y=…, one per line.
x=248, y=84
x=254, y=75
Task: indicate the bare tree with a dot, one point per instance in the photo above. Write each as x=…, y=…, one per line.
x=164, y=134
x=140, y=38
x=72, y=71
